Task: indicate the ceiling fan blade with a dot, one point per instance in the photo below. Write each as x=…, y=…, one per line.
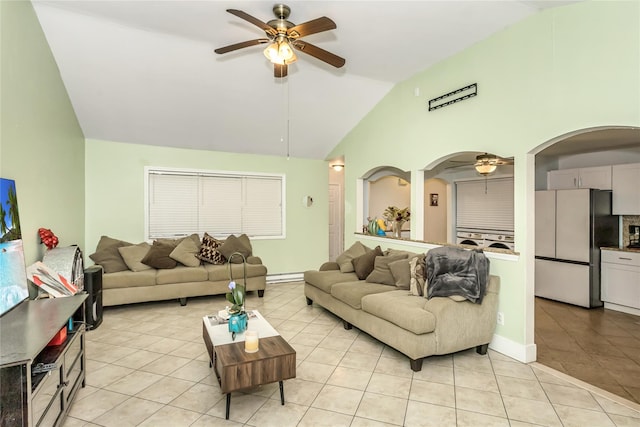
x=312, y=27
x=237, y=46
x=280, y=70
x=254, y=21
x=321, y=54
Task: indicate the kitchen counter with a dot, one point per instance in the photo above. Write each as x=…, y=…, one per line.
x=636, y=250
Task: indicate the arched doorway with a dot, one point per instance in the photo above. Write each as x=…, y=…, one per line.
x=590, y=344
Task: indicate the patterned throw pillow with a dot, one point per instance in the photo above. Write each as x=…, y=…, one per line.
x=209, y=251
x=417, y=285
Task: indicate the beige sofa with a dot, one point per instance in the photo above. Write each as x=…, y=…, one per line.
x=414, y=325
x=126, y=279
x=126, y=287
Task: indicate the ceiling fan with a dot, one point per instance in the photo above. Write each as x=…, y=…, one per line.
x=283, y=37
x=487, y=163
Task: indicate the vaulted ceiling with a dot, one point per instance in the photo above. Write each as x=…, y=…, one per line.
x=145, y=72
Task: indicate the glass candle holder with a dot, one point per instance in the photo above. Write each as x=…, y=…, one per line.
x=251, y=341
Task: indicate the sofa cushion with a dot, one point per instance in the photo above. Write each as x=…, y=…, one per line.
x=381, y=272
x=221, y=272
x=363, y=265
x=235, y=244
x=133, y=255
x=129, y=279
x=352, y=292
x=158, y=256
x=402, y=309
x=181, y=274
x=186, y=251
x=344, y=259
x=324, y=280
x=108, y=256
x=401, y=272
x=417, y=283
x=210, y=250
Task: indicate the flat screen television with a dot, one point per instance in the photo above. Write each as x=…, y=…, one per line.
x=14, y=287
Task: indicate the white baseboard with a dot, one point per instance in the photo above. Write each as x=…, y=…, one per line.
x=285, y=277
x=622, y=308
x=521, y=352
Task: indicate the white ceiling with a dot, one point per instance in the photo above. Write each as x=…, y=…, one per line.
x=145, y=72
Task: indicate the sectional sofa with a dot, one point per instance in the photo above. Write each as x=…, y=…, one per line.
x=408, y=322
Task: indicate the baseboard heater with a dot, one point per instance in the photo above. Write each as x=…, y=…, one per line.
x=285, y=277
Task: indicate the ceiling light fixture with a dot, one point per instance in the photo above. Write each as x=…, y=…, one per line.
x=337, y=167
x=280, y=51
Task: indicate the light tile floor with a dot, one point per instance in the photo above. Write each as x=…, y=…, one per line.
x=147, y=366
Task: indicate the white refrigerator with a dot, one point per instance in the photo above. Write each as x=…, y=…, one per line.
x=571, y=226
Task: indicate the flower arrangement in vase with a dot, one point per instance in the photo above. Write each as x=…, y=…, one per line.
x=236, y=298
x=397, y=217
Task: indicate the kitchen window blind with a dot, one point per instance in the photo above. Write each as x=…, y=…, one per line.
x=180, y=203
x=488, y=210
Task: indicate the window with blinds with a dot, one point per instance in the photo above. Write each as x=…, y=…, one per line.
x=485, y=204
x=180, y=203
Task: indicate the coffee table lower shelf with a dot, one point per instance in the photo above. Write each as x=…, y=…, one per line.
x=238, y=370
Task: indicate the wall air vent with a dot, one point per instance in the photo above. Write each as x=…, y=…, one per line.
x=453, y=97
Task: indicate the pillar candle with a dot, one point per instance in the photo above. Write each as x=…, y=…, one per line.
x=251, y=341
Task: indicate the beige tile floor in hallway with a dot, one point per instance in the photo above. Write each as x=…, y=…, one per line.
x=598, y=346
x=147, y=366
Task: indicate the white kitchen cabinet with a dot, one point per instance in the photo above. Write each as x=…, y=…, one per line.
x=595, y=177
x=620, y=280
x=626, y=189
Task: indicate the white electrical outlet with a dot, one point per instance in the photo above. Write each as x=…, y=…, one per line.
x=500, y=318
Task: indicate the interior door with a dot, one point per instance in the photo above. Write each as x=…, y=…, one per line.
x=572, y=225
x=546, y=223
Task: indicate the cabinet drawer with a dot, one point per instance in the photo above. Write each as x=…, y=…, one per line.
x=72, y=378
x=620, y=257
x=74, y=350
x=47, y=394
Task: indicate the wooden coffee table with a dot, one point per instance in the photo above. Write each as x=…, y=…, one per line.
x=237, y=369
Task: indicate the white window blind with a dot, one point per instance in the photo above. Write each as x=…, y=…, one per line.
x=184, y=202
x=485, y=204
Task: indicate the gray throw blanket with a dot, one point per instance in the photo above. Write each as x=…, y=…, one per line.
x=455, y=271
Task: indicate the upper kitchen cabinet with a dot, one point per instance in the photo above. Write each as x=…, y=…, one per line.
x=626, y=189
x=598, y=177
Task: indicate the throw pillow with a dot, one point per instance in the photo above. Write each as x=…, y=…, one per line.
x=244, y=239
x=133, y=255
x=345, y=258
x=381, y=272
x=186, y=251
x=108, y=256
x=234, y=244
x=401, y=272
x=158, y=256
x=417, y=281
x=209, y=250
x=169, y=241
x=363, y=265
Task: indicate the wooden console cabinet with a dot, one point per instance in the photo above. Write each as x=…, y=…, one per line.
x=41, y=400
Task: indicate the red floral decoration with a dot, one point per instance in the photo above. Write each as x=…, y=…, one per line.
x=48, y=238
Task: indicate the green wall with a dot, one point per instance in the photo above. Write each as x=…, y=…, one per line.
x=115, y=197
x=41, y=143
x=566, y=69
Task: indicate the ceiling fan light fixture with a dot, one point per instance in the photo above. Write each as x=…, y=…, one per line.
x=280, y=52
x=486, y=168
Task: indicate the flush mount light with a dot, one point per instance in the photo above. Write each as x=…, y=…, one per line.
x=337, y=167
